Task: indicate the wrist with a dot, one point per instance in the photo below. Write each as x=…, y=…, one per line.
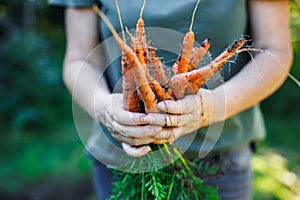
x=102, y=103
x=212, y=106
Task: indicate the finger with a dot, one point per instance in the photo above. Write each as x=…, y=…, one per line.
x=129, y=118
x=134, y=151
x=169, y=120
x=137, y=131
x=186, y=105
x=171, y=134
x=132, y=141
x=118, y=114
x=166, y=135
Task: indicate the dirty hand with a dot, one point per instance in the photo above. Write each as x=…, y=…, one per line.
x=129, y=128
x=182, y=116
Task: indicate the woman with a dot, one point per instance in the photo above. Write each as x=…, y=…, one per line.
x=246, y=84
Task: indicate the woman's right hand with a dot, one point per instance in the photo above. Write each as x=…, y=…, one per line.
x=132, y=129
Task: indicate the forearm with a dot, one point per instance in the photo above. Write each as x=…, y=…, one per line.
x=86, y=85
x=258, y=80
x=266, y=73
x=84, y=62
x=263, y=75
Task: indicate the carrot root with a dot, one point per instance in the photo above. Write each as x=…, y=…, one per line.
x=181, y=65
x=131, y=101
x=198, y=53
x=157, y=68
x=191, y=82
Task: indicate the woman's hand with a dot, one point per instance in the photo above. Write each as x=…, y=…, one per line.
x=127, y=127
x=183, y=116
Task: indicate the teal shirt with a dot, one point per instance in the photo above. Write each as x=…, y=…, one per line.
x=71, y=3
x=221, y=20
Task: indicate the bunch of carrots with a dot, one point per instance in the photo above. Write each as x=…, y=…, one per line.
x=141, y=90
x=145, y=83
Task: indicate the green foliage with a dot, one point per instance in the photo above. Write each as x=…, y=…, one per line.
x=31, y=86
x=295, y=24
x=32, y=93
x=27, y=160
x=34, y=104
x=176, y=181
x=272, y=179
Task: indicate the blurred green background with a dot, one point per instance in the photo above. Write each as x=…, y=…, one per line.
x=42, y=157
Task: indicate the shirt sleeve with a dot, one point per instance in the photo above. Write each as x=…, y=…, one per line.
x=71, y=3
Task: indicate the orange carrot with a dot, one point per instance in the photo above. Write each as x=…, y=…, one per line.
x=159, y=91
x=197, y=78
x=130, y=98
x=157, y=68
x=181, y=65
x=143, y=88
x=140, y=34
x=137, y=48
x=178, y=83
x=198, y=53
x=139, y=45
x=131, y=101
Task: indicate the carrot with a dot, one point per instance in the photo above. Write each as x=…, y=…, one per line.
x=130, y=98
x=181, y=65
x=157, y=68
x=178, y=83
x=141, y=49
x=160, y=92
x=137, y=48
x=140, y=33
x=143, y=88
x=131, y=101
x=198, y=53
x=139, y=44
x=229, y=52
x=197, y=78
x=157, y=88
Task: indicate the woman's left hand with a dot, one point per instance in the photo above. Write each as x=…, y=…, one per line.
x=182, y=116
